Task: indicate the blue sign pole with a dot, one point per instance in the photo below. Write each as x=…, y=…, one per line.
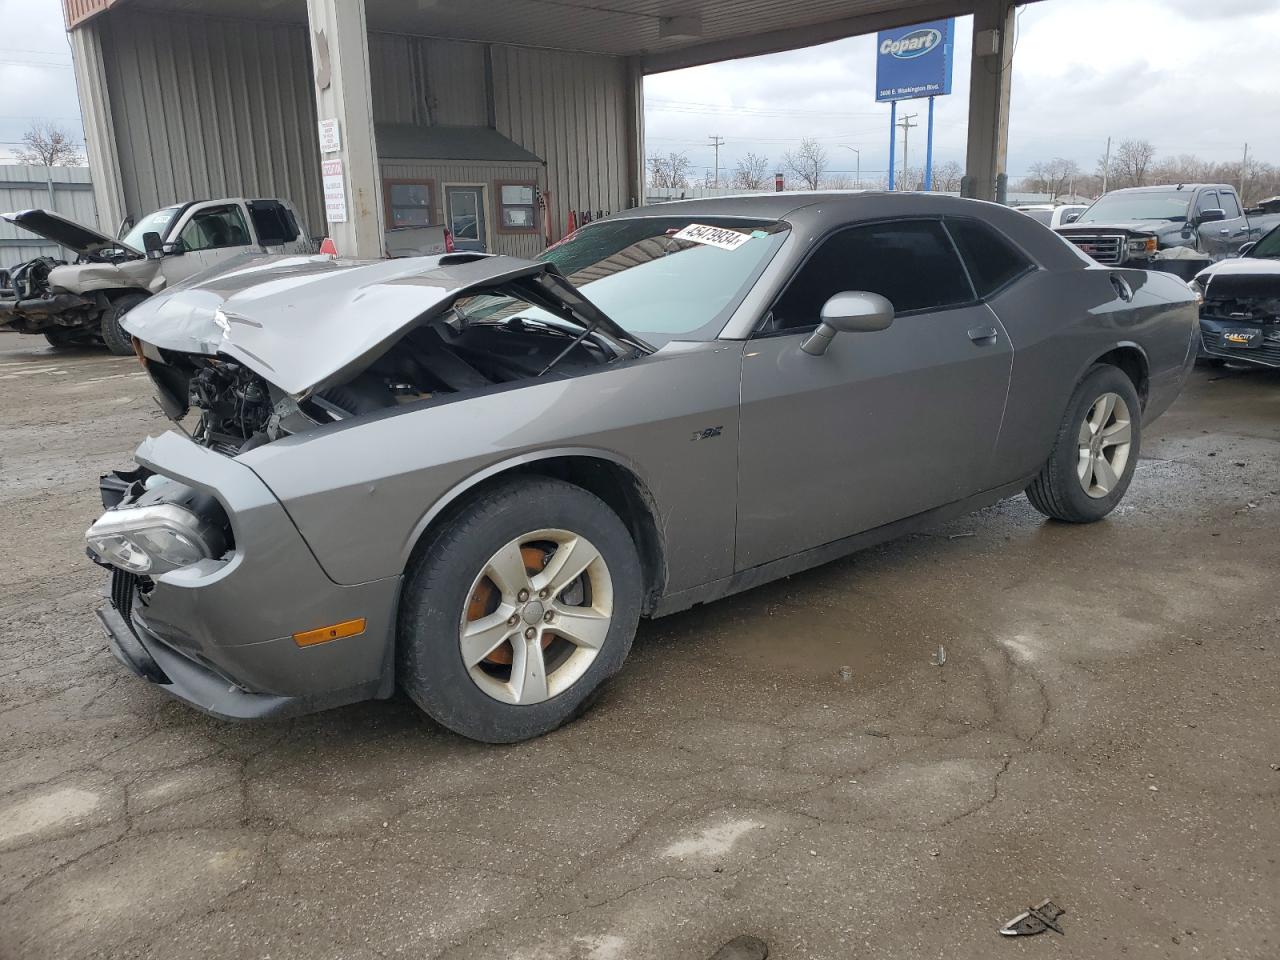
x=928, y=152
x=893, y=138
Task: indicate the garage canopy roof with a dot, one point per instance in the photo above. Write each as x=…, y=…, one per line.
x=665, y=34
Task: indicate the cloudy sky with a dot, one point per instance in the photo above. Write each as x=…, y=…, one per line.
x=1192, y=76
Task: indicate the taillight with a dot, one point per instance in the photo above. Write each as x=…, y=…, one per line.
x=448, y=241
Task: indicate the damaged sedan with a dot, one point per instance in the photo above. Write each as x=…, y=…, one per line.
x=1240, y=306
x=469, y=476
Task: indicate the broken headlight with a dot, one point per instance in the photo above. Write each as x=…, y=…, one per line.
x=153, y=539
x=1197, y=291
x=1143, y=246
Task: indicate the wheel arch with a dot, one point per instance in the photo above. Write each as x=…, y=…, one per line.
x=1132, y=360
x=605, y=474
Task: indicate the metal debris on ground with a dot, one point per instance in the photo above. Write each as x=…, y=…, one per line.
x=939, y=658
x=744, y=947
x=846, y=674
x=960, y=536
x=1043, y=916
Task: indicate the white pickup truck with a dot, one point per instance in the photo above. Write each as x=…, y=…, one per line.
x=82, y=302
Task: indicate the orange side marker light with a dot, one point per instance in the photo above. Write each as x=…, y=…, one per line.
x=337, y=631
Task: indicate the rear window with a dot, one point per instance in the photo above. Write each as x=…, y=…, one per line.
x=992, y=260
x=273, y=222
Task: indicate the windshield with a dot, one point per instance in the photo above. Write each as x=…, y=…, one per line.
x=1146, y=205
x=656, y=282
x=1269, y=246
x=157, y=222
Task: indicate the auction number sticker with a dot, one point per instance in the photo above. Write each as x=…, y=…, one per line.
x=713, y=236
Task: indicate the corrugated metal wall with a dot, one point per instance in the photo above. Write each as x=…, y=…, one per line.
x=26, y=188
x=427, y=82
x=442, y=172
x=209, y=107
x=569, y=109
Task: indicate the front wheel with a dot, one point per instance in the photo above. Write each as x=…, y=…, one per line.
x=115, y=336
x=518, y=609
x=1095, y=452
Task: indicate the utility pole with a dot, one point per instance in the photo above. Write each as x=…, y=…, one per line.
x=1244, y=167
x=716, y=141
x=906, y=125
x=858, y=154
x=1106, y=165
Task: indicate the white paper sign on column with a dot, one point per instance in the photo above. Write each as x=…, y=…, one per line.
x=335, y=190
x=330, y=139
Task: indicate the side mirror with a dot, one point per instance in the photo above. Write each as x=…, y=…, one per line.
x=1213, y=215
x=1070, y=217
x=851, y=312
x=1246, y=247
x=153, y=245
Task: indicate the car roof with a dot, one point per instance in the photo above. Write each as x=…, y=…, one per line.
x=1175, y=186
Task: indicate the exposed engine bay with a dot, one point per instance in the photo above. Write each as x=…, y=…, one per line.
x=240, y=410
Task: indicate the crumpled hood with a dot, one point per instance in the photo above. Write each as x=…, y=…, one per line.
x=1241, y=277
x=308, y=322
x=85, y=241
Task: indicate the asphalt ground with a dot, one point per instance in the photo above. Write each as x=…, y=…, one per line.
x=1104, y=731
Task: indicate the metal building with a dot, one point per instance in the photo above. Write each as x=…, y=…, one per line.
x=495, y=117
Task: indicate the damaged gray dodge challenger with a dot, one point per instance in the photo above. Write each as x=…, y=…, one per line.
x=470, y=475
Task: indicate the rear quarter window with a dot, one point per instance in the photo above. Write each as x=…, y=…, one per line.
x=993, y=261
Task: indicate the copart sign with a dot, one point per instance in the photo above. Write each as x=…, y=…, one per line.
x=914, y=61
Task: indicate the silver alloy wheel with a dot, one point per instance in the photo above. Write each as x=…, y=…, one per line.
x=540, y=630
x=1106, y=439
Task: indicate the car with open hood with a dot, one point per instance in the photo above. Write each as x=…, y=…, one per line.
x=469, y=476
x=83, y=301
x=1240, y=306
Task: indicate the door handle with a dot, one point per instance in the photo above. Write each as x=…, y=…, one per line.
x=1122, y=288
x=983, y=334
x=1224, y=232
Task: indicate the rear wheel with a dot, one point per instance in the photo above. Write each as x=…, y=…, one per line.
x=115, y=336
x=518, y=609
x=1095, y=452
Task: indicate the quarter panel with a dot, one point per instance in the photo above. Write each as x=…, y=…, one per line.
x=360, y=491
x=1060, y=322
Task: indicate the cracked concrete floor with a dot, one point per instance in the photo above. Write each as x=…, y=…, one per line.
x=1102, y=732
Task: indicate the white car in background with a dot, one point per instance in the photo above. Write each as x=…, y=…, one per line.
x=1053, y=216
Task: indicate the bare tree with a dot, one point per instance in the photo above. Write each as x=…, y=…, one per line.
x=45, y=144
x=947, y=176
x=751, y=172
x=808, y=163
x=1130, y=164
x=669, y=171
x=837, y=181
x=1054, y=177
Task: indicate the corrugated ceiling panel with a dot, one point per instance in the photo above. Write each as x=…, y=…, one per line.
x=424, y=81
x=206, y=108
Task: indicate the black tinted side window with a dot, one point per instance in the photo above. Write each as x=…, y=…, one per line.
x=1229, y=205
x=273, y=222
x=911, y=263
x=992, y=260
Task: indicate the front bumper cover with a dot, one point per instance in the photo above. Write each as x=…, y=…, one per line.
x=218, y=634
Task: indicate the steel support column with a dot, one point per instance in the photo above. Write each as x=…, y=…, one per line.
x=340, y=60
x=989, y=76
x=99, y=126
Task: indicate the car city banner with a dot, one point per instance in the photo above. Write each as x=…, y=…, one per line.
x=914, y=61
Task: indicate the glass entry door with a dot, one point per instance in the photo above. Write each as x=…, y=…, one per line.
x=464, y=213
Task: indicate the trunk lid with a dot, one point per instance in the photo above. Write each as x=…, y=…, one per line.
x=305, y=323
x=85, y=241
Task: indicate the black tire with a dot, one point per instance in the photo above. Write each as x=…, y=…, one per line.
x=118, y=341
x=1058, y=492
x=59, y=338
x=430, y=666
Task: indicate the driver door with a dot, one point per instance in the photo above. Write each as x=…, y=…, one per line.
x=209, y=235
x=883, y=425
